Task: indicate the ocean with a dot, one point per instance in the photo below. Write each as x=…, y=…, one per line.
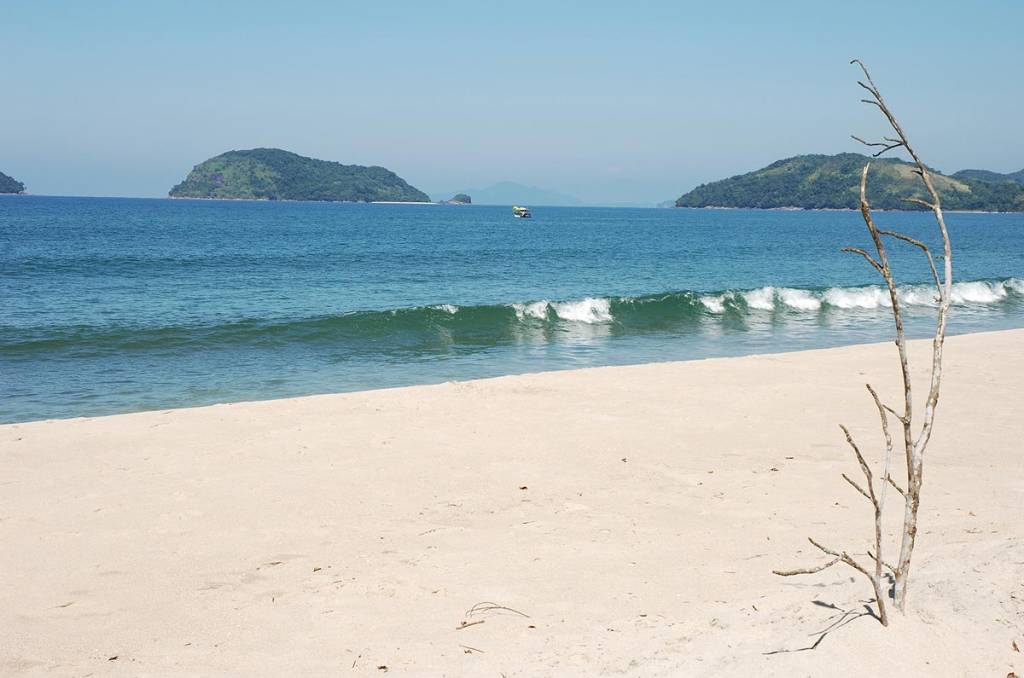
x=118, y=305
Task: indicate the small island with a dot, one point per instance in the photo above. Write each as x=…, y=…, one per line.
x=10, y=185
x=274, y=174
x=458, y=199
x=833, y=182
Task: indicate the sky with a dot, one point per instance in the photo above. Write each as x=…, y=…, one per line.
x=612, y=102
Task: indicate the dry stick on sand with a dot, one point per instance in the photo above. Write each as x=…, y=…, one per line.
x=913, y=446
x=488, y=606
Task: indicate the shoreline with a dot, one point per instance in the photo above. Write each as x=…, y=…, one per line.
x=454, y=382
x=634, y=513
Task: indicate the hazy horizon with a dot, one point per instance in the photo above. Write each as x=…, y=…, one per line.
x=607, y=104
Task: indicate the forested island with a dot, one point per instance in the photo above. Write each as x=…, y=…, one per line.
x=10, y=184
x=273, y=174
x=833, y=182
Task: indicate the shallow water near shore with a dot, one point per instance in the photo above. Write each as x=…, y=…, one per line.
x=116, y=305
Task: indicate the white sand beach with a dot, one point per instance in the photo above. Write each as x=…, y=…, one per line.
x=631, y=516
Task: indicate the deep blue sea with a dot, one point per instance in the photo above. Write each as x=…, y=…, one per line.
x=116, y=305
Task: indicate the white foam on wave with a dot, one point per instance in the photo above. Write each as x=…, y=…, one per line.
x=977, y=292
x=857, y=297
x=800, y=300
x=447, y=308
x=538, y=310
x=918, y=295
x=589, y=310
x=763, y=298
x=1014, y=285
x=714, y=304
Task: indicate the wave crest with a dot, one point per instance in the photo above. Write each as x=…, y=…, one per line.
x=421, y=328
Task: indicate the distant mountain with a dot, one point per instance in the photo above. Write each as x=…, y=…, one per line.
x=273, y=174
x=10, y=185
x=511, y=193
x=833, y=182
x=458, y=199
x=989, y=177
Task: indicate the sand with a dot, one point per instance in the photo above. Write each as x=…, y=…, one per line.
x=631, y=514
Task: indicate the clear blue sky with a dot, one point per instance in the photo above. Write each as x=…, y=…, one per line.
x=635, y=101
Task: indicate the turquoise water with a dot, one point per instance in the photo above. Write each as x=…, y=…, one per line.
x=116, y=305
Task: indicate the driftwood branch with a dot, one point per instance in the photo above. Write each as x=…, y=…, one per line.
x=886, y=145
x=806, y=570
x=871, y=260
x=917, y=201
x=887, y=463
x=913, y=445
x=921, y=246
x=895, y=486
x=887, y=565
x=856, y=486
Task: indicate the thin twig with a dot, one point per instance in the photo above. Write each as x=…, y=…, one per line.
x=885, y=146
x=488, y=606
x=890, y=567
x=856, y=487
x=806, y=570
x=920, y=245
x=857, y=250
x=895, y=486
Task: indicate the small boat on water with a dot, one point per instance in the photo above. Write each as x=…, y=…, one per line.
x=521, y=212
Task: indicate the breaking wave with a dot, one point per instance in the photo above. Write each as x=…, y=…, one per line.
x=446, y=324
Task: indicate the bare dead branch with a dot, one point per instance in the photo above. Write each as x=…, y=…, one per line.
x=856, y=250
x=487, y=606
x=887, y=463
x=823, y=549
x=806, y=570
x=895, y=486
x=844, y=557
x=914, y=446
x=887, y=565
x=860, y=460
x=893, y=412
x=873, y=91
x=885, y=146
x=922, y=203
x=920, y=245
x=857, y=487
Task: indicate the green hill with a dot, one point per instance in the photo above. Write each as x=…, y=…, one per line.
x=273, y=174
x=833, y=182
x=989, y=177
x=10, y=185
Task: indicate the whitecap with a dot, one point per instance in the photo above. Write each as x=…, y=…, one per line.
x=714, y=304
x=447, y=308
x=918, y=295
x=857, y=297
x=538, y=310
x=589, y=310
x=801, y=300
x=763, y=298
x=977, y=293
x=1015, y=285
